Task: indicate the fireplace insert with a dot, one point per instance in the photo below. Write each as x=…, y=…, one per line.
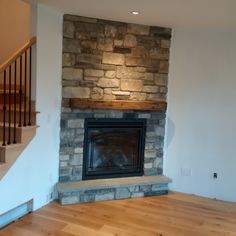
x=113, y=148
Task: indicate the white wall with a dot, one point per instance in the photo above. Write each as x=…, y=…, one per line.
x=201, y=129
x=35, y=172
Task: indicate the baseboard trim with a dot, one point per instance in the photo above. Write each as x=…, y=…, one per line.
x=16, y=213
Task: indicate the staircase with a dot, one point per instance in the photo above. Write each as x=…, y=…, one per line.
x=17, y=109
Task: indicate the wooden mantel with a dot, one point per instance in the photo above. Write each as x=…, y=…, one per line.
x=118, y=104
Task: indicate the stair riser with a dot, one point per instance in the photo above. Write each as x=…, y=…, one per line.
x=22, y=134
x=32, y=118
x=18, y=135
x=12, y=98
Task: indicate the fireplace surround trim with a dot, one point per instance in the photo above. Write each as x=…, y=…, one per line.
x=120, y=127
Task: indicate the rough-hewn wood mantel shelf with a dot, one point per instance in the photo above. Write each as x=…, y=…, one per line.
x=118, y=104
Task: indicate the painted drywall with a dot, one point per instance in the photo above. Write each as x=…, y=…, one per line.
x=201, y=126
x=35, y=172
x=14, y=26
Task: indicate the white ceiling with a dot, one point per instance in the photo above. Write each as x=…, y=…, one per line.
x=214, y=14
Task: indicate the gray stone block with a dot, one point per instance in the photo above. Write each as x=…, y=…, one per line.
x=100, y=191
x=87, y=198
x=145, y=188
x=150, y=172
x=76, y=123
x=134, y=188
x=122, y=193
x=104, y=197
x=137, y=195
x=158, y=187
x=69, y=200
x=155, y=193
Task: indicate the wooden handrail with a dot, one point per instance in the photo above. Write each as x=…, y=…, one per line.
x=31, y=42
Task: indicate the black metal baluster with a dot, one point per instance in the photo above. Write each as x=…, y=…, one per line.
x=25, y=97
x=20, y=121
x=9, y=107
x=30, y=65
x=14, y=116
x=4, y=108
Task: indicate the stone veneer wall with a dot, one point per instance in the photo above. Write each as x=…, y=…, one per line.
x=113, y=60
x=106, y=60
x=72, y=140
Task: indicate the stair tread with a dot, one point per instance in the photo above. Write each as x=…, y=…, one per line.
x=12, y=145
x=12, y=125
x=22, y=110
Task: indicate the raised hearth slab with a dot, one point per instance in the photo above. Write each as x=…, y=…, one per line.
x=111, y=189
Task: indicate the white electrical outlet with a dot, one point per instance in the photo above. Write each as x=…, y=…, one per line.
x=49, y=197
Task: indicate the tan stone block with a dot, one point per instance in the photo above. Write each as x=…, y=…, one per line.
x=105, y=44
x=110, y=74
x=93, y=73
x=108, y=91
x=165, y=43
x=128, y=73
x=161, y=79
x=88, y=78
x=68, y=29
x=89, y=44
x=97, y=93
x=113, y=58
x=163, y=89
x=131, y=85
x=130, y=41
x=138, y=29
x=76, y=92
x=68, y=59
x=164, y=67
x=72, y=74
x=122, y=93
x=150, y=89
x=109, y=97
x=156, y=97
x=138, y=96
x=118, y=43
x=108, y=83
x=110, y=31
x=71, y=45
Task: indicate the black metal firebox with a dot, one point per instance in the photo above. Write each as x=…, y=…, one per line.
x=113, y=148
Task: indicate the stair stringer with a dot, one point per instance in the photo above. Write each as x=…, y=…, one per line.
x=10, y=153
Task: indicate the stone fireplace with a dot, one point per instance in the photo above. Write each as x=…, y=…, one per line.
x=114, y=87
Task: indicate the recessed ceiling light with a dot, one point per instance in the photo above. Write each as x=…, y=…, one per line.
x=135, y=12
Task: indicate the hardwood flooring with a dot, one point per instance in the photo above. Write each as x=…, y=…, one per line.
x=175, y=214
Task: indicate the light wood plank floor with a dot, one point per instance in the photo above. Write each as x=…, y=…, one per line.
x=173, y=215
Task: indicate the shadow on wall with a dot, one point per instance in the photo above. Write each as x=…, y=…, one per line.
x=170, y=131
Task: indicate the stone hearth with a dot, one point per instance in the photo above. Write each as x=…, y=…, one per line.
x=111, y=189
x=112, y=61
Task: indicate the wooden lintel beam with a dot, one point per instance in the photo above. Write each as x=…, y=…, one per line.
x=118, y=104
